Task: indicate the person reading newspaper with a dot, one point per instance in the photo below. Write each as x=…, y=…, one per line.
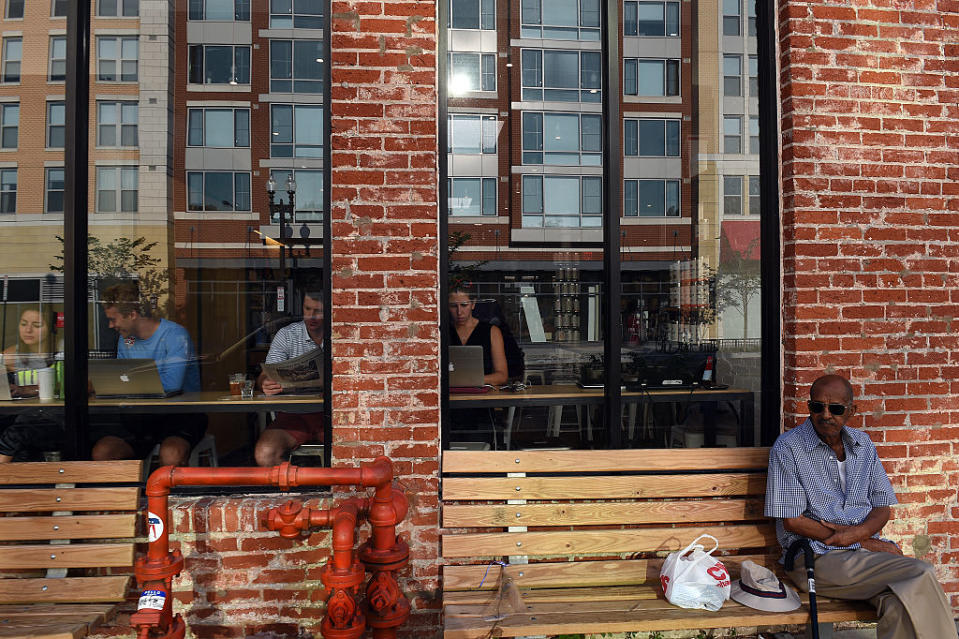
x=294, y=361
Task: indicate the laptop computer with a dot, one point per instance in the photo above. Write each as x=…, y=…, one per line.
x=466, y=368
x=127, y=379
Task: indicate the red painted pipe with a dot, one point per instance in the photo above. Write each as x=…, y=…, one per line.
x=343, y=574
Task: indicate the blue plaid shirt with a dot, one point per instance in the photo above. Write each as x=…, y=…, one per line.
x=803, y=479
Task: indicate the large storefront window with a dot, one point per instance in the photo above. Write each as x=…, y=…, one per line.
x=645, y=167
x=206, y=285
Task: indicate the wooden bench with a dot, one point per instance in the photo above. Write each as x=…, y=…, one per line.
x=584, y=534
x=43, y=541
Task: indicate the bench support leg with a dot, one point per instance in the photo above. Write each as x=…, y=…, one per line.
x=825, y=631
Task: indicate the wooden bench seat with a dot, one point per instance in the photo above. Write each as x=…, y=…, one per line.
x=583, y=535
x=52, y=528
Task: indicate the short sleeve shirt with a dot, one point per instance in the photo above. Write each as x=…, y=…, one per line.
x=803, y=479
x=290, y=341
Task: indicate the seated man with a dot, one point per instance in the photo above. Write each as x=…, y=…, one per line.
x=826, y=483
x=291, y=430
x=169, y=344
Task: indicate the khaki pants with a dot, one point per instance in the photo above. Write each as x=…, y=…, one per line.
x=908, y=598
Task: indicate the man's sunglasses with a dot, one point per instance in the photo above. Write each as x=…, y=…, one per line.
x=835, y=409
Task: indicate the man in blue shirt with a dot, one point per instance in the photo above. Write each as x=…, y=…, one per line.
x=826, y=483
x=169, y=344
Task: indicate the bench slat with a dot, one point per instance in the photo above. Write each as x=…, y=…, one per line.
x=39, y=630
x=604, y=487
x=47, y=610
x=585, y=461
x=601, y=513
x=66, y=556
x=73, y=499
x=561, y=574
x=67, y=527
x=66, y=589
x=584, y=542
x=467, y=622
x=74, y=472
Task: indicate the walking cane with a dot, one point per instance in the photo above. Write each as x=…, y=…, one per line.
x=810, y=560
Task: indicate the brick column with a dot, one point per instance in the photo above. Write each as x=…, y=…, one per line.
x=385, y=262
x=870, y=230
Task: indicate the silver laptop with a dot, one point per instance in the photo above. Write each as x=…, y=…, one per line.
x=126, y=378
x=466, y=366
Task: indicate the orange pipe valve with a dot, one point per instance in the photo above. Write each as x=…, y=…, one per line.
x=386, y=607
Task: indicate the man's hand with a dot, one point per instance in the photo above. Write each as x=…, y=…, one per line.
x=270, y=387
x=878, y=545
x=843, y=535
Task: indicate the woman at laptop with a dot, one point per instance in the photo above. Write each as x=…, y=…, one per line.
x=466, y=330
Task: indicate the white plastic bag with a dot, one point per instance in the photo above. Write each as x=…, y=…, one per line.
x=692, y=578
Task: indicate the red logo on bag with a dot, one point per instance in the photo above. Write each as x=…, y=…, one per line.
x=664, y=580
x=718, y=572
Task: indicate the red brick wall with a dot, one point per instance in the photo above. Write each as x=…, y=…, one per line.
x=869, y=161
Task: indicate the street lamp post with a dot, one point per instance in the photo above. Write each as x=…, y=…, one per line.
x=281, y=209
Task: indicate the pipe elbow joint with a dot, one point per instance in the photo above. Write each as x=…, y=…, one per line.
x=160, y=482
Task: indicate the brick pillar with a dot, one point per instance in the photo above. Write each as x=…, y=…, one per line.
x=385, y=263
x=870, y=234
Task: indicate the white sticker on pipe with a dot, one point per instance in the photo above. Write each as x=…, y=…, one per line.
x=152, y=599
x=154, y=527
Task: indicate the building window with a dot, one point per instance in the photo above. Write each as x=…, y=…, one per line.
x=58, y=59
x=732, y=15
x=472, y=72
x=117, y=124
x=218, y=191
x=117, y=59
x=650, y=78
x=754, y=76
x=651, y=19
x=9, y=125
x=219, y=64
x=296, y=66
x=15, y=9
x=472, y=134
x=59, y=8
x=8, y=190
x=562, y=138
x=563, y=76
x=54, y=191
x=732, y=195
x=472, y=196
x=562, y=201
x=755, y=204
x=309, y=194
x=296, y=131
x=117, y=189
x=754, y=135
x=732, y=134
x=220, y=10
x=296, y=14
x=118, y=8
x=12, y=56
x=651, y=138
x=561, y=19
x=56, y=122
x=218, y=128
x=651, y=198
x=732, y=75
x=751, y=18
x=473, y=14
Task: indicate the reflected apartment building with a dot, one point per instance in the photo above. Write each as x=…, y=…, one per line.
x=525, y=170
x=130, y=144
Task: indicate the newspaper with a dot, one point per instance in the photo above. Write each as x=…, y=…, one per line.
x=305, y=371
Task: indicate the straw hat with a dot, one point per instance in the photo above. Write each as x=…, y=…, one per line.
x=760, y=588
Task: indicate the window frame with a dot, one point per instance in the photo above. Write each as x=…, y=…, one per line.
x=300, y=215
x=728, y=19
x=486, y=122
x=7, y=41
x=6, y=10
x=4, y=126
x=235, y=191
x=668, y=64
x=293, y=144
x=118, y=191
x=730, y=78
x=731, y=197
x=5, y=192
x=484, y=182
x=235, y=73
x=538, y=30
x=119, y=125
x=121, y=9
x=204, y=110
x=240, y=8
x=484, y=61
x=732, y=139
x=47, y=189
x=54, y=40
x=673, y=185
x=537, y=92
x=596, y=155
x=595, y=215
x=669, y=6
x=296, y=84
x=668, y=123
x=55, y=129
x=119, y=61
x=308, y=17
x=484, y=17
